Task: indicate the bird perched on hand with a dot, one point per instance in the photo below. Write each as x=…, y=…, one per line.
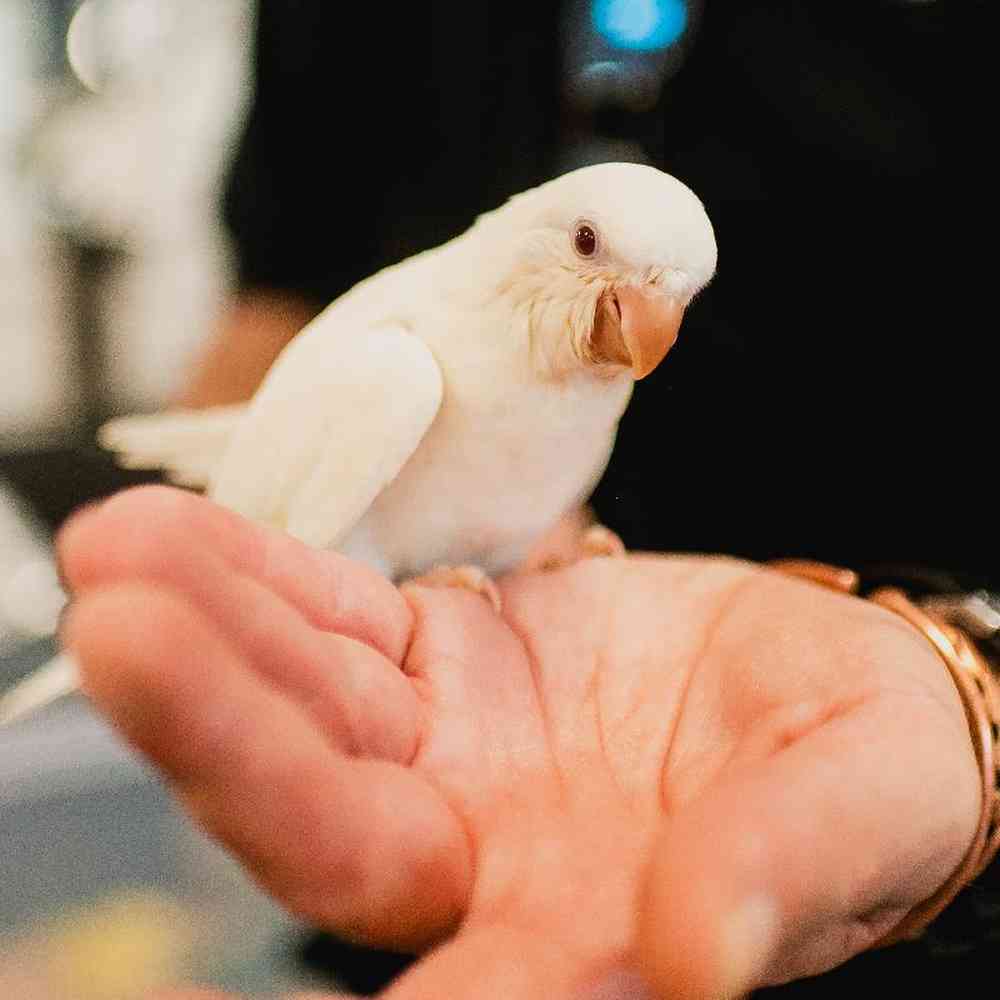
x=451, y=408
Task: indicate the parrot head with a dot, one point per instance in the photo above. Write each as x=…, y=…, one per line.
x=605, y=261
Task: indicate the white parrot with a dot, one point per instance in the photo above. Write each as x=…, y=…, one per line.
x=451, y=408
x=445, y=413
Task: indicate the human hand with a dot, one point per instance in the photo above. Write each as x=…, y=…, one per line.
x=691, y=767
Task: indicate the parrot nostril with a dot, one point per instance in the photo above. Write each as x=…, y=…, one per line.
x=618, y=308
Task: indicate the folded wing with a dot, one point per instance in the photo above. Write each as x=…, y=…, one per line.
x=335, y=420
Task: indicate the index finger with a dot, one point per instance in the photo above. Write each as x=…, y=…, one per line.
x=146, y=531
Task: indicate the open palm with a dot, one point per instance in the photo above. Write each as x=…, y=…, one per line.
x=689, y=765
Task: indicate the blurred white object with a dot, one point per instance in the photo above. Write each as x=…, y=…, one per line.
x=31, y=597
x=137, y=166
x=38, y=397
x=141, y=166
x=18, y=98
x=116, y=39
x=144, y=157
x=47, y=685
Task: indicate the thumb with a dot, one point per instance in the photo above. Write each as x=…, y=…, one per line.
x=797, y=863
x=511, y=959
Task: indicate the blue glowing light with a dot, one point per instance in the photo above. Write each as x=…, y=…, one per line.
x=640, y=25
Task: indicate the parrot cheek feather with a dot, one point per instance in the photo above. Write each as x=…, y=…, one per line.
x=606, y=344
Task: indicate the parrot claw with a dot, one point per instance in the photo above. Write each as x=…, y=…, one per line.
x=593, y=543
x=600, y=541
x=465, y=577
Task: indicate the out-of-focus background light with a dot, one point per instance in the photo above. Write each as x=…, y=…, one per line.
x=619, y=54
x=118, y=40
x=640, y=25
x=81, y=45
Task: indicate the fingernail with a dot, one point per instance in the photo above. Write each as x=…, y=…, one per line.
x=621, y=984
x=748, y=936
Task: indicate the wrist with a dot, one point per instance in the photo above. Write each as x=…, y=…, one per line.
x=937, y=618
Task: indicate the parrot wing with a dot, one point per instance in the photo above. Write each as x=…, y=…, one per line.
x=188, y=445
x=333, y=423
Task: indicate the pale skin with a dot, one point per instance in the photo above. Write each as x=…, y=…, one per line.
x=689, y=772
x=690, y=768
x=251, y=333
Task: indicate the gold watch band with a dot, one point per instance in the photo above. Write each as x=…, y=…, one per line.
x=979, y=689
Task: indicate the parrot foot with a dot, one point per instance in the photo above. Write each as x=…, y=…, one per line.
x=594, y=542
x=600, y=541
x=465, y=577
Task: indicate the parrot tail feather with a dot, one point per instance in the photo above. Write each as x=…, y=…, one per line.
x=187, y=444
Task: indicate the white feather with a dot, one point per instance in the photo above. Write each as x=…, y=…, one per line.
x=187, y=445
x=439, y=411
x=333, y=423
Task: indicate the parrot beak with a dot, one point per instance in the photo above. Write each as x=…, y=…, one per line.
x=635, y=326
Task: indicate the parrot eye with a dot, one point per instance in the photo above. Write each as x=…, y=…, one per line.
x=585, y=240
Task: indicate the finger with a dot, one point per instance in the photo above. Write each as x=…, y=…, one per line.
x=156, y=530
x=359, y=698
x=364, y=847
x=792, y=866
x=496, y=960
x=471, y=669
